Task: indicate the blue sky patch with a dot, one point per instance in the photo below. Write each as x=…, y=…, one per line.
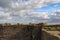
x=48, y=8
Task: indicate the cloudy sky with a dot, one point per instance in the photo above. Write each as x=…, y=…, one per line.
x=25, y=11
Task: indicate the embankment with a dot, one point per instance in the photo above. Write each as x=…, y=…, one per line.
x=47, y=36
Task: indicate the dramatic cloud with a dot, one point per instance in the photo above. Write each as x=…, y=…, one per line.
x=14, y=11
x=25, y=4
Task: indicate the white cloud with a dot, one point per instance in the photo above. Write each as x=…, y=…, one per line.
x=26, y=5
x=43, y=15
x=24, y=10
x=4, y=14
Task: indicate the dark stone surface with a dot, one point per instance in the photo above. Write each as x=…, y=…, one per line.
x=25, y=33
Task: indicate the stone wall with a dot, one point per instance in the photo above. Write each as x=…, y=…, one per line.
x=17, y=33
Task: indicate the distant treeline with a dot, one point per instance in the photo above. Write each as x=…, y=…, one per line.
x=18, y=24
x=32, y=24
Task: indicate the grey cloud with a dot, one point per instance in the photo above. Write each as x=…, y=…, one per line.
x=4, y=3
x=22, y=11
x=2, y=17
x=55, y=18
